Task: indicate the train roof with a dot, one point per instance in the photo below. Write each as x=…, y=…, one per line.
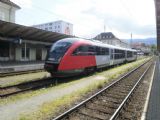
x=96, y=42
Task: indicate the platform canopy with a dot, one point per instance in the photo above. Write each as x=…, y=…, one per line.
x=157, y=6
x=12, y=30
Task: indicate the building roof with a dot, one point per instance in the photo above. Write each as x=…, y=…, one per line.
x=8, y=2
x=13, y=30
x=108, y=34
x=105, y=36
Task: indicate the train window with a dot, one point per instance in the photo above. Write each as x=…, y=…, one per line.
x=119, y=54
x=84, y=50
x=60, y=47
x=106, y=51
x=91, y=49
x=112, y=53
x=102, y=51
x=129, y=54
x=58, y=50
x=98, y=51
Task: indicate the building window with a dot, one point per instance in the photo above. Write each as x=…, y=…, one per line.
x=4, y=49
x=27, y=52
x=58, y=26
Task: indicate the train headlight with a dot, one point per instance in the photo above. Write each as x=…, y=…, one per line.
x=52, y=59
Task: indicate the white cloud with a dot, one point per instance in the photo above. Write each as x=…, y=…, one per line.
x=119, y=16
x=122, y=17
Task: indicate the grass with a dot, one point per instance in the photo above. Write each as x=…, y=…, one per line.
x=47, y=110
x=13, y=80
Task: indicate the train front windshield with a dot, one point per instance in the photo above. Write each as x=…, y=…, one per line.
x=57, y=51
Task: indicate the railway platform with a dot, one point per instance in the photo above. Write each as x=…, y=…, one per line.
x=6, y=67
x=153, y=111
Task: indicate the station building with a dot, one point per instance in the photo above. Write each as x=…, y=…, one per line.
x=110, y=38
x=22, y=43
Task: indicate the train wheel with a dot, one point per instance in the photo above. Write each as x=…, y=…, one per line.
x=89, y=70
x=52, y=75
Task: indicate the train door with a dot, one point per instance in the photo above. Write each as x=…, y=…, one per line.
x=102, y=57
x=111, y=56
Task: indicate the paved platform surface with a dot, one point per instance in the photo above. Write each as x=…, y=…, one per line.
x=153, y=112
x=18, y=63
x=6, y=67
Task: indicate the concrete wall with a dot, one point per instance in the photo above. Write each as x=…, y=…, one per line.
x=18, y=54
x=32, y=54
x=44, y=53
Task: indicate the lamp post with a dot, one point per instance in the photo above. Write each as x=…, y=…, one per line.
x=131, y=41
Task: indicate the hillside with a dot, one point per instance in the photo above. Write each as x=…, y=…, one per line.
x=148, y=41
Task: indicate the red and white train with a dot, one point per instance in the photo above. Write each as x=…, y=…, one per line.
x=73, y=56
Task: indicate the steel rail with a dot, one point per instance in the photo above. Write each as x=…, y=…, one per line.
x=38, y=84
x=116, y=113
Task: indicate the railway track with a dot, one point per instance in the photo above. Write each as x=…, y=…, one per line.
x=108, y=103
x=19, y=72
x=23, y=87
x=28, y=86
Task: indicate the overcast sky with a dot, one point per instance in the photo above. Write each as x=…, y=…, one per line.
x=122, y=17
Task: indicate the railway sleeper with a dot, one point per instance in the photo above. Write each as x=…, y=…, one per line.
x=116, y=96
x=101, y=108
x=128, y=116
x=128, y=86
x=122, y=92
x=93, y=114
x=121, y=88
x=107, y=104
x=115, y=101
x=79, y=116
